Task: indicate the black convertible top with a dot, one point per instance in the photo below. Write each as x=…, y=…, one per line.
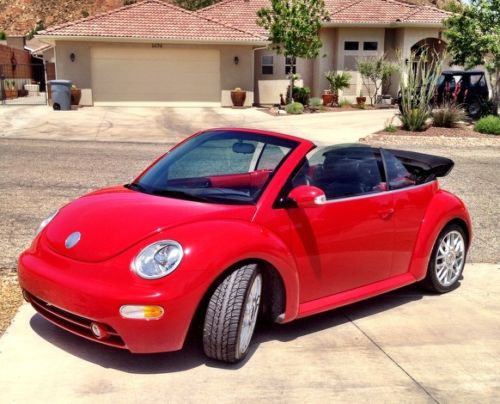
x=434, y=165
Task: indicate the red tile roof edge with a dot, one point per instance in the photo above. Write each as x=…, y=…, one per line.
x=50, y=30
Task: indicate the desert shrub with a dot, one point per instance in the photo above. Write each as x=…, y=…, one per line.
x=129, y=2
x=389, y=126
x=418, y=80
x=448, y=116
x=315, y=103
x=3, y=36
x=344, y=103
x=295, y=108
x=489, y=124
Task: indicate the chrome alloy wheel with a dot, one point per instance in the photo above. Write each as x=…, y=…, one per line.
x=250, y=314
x=450, y=258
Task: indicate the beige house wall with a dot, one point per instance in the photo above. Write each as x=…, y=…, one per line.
x=326, y=61
x=346, y=60
x=268, y=87
x=231, y=74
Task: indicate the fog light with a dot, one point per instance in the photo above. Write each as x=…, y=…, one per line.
x=142, y=312
x=98, y=331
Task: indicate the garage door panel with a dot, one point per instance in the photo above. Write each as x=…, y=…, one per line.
x=155, y=75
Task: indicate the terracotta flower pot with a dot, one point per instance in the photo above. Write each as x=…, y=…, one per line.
x=360, y=100
x=328, y=99
x=76, y=96
x=238, y=98
x=10, y=94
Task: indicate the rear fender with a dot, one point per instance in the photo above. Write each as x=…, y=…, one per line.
x=443, y=208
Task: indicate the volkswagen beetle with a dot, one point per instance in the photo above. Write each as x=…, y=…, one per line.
x=235, y=225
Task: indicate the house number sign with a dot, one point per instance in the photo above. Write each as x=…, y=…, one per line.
x=157, y=45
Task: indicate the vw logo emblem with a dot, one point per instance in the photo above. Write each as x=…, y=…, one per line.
x=72, y=240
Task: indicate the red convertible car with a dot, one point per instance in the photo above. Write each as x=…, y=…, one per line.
x=236, y=225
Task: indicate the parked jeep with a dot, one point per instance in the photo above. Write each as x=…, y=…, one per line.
x=467, y=88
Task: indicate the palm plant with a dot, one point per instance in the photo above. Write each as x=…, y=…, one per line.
x=338, y=81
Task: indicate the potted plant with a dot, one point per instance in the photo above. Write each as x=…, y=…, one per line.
x=361, y=100
x=76, y=95
x=10, y=89
x=238, y=96
x=327, y=98
x=338, y=82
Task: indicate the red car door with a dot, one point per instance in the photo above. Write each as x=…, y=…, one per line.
x=410, y=203
x=347, y=242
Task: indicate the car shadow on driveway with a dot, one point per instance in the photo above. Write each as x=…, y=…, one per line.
x=192, y=356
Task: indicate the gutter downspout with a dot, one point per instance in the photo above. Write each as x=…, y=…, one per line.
x=253, y=72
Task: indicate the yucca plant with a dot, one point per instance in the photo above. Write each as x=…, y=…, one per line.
x=419, y=76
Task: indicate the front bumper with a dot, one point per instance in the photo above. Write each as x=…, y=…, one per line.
x=74, y=294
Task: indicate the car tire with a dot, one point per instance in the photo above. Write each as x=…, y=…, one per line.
x=232, y=314
x=447, y=260
x=475, y=109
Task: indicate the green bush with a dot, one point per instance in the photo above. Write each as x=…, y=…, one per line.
x=448, y=116
x=299, y=94
x=295, y=108
x=489, y=124
x=3, y=36
x=315, y=103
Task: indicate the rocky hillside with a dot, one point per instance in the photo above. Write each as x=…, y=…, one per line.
x=22, y=16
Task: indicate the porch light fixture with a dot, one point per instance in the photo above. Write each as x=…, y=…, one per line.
x=72, y=56
x=236, y=60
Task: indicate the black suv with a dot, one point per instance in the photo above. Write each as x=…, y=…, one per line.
x=467, y=88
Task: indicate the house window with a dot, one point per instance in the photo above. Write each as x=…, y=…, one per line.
x=267, y=64
x=351, y=46
x=290, y=65
x=370, y=46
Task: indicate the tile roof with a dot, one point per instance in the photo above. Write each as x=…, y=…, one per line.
x=242, y=13
x=155, y=20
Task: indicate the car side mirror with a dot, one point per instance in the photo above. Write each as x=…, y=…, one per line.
x=307, y=196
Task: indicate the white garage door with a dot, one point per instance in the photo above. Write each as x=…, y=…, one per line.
x=160, y=76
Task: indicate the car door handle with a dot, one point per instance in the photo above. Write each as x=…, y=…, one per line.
x=386, y=214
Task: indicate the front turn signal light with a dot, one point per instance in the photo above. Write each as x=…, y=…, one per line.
x=142, y=312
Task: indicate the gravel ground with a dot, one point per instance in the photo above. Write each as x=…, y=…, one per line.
x=39, y=176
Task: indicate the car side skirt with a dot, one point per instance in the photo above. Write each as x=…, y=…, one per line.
x=354, y=295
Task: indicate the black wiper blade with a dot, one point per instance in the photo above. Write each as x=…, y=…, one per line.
x=180, y=195
x=137, y=187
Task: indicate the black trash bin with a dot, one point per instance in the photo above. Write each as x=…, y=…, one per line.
x=61, y=94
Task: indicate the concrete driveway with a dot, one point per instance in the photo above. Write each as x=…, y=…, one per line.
x=401, y=347
x=172, y=124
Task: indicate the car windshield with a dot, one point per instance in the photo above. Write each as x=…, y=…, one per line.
x=220, y=166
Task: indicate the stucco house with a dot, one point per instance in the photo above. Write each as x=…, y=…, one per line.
x=154, y=53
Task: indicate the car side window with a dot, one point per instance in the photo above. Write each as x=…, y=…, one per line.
x=398, y=176
x=347, y=171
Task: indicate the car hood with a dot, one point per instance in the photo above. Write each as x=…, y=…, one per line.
x=112, y=220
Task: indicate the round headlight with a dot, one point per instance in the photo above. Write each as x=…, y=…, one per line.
x=158, y=259
x=45, y=222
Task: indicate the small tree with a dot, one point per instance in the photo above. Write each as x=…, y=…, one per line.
x=375, y=71
x=338, y=81
x=293, y=27
x=474, y=39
